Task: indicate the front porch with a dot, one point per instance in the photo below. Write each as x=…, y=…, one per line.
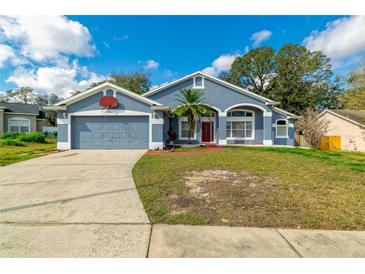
x=242, y=125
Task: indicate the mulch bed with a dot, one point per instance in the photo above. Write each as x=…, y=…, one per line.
x=202, y=151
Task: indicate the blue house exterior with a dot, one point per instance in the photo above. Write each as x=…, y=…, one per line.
x=142, y=121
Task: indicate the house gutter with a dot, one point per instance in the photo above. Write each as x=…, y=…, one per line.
x=55, y=108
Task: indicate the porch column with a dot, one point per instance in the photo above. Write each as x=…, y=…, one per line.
x=267, y=128
x=63, y=130
x=2, y=120
x=157, y=123
x=222, y=120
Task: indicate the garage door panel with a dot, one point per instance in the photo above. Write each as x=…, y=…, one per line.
x=116, y=132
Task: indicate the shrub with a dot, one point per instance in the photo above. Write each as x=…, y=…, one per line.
x=312, y=128
x=35, y=137
x=11, y=142
x=10, y=135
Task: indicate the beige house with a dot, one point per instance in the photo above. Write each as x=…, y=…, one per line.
x=349, y=124
x=16, y=117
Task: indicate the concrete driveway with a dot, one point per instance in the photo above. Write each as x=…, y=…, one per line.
x=79, y=203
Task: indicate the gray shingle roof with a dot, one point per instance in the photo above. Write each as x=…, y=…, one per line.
x=20, y=108
x=357, y=116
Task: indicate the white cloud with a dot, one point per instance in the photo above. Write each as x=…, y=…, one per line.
x=151, y=64
x=260, y=36
x=53, y=79
x=222, y=63
x=6, y=54
x=342, y=38
x=168, y=73
x=46, y=44
x=46, y=38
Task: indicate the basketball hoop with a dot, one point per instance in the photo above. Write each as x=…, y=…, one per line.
x=107, y=104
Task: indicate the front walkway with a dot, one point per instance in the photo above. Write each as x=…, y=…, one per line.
x=226, y=242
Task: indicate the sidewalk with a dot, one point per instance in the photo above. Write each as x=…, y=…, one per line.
x=217, y=241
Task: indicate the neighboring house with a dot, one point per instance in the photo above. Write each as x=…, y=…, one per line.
x=349, y=124
x=135, y=121
x=16, y=117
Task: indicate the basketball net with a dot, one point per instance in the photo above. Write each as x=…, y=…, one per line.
x=106, y=111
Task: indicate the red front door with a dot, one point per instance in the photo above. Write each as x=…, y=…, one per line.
x=207, y=135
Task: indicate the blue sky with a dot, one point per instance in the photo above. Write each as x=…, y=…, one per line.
x=69, y=52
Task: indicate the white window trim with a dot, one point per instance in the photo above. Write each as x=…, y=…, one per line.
x=198, y=87
x=19, y=118
x=286, y=126
x=241, y=119
x=185, y=119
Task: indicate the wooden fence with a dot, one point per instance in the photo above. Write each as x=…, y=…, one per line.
x=330, y=143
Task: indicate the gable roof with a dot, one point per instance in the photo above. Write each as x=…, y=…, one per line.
x=98, y=88
x=225, y=83
x=20, y=108
x=354, y=116
x=214, y=79
x=284, y=112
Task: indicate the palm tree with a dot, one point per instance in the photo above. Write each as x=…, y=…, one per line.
x=191, y=106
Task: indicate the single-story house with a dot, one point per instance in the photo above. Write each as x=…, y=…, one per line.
x=110, y=117
x=17, y=117
x=349, y=125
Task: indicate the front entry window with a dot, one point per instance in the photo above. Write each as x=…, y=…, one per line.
x=239, y=129
x=240, y=125
x=184, y=130
x=19, y=125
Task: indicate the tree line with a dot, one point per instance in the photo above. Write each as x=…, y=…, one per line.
x=299, y=79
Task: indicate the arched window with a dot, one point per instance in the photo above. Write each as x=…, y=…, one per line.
x=240, y=125
x=19, y=124
x=281, y=128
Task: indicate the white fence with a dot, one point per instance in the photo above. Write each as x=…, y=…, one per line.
x=49, y=129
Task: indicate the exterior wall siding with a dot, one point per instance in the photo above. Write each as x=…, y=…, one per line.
x=215, y=95
x=157, y=133
x=352, y=136
x=62, y=133
x=124, y=103
x=32, y=119
x=40, y=125
x=282, y=141
x=1, y=120
x=222, y=98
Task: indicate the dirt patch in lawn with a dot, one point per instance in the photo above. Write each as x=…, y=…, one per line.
x=225, y=197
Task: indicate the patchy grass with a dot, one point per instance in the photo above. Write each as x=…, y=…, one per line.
x=13, y=154
x=263, y=187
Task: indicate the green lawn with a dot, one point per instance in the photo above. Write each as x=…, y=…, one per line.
x=264, y=187
x=13, y=154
